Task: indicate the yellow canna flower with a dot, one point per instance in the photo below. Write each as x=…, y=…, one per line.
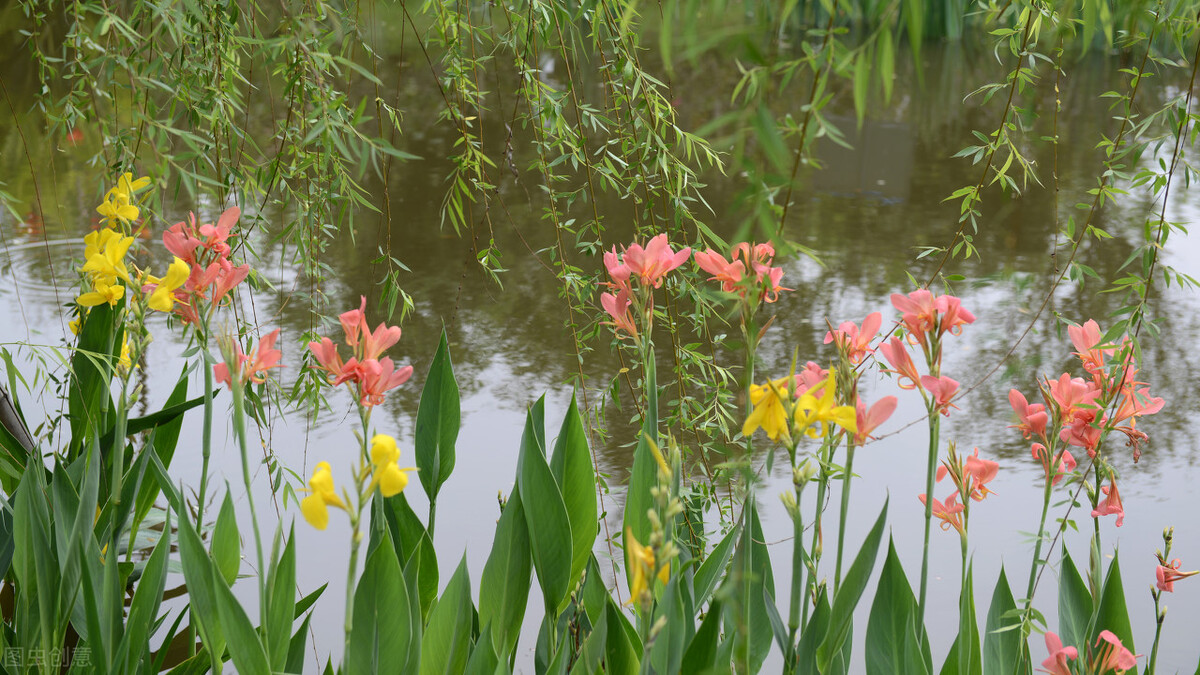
x=770, y=408
x=108, y=264
x=125, y=362
x=385, y=468
x=162, y=298
x=640, y=560
x=118, y=204
x=315, y=506
x=812, y=414
x=101, y=293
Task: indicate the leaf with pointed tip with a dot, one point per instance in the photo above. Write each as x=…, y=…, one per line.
x=847, y=595
x=226, y=542
x=438, y=421
x=572, y=467
x=1002, y=645
x=1074, y=605
x=446, y=643
x=892, y=644
x=1112, y=614
x=546, y=517
x=504, y=586
x=644, y=473
x=381, y=628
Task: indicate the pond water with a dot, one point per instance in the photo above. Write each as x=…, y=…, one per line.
x=863, y=215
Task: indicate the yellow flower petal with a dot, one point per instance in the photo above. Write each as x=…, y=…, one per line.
x=384, y=450
x=392, y=480
x=315, y=512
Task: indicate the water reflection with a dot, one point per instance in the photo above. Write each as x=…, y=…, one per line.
x=864, y=214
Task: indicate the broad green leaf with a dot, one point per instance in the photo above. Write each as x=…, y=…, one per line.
x=1112, y=615
x=666, y=653
x=483, y=659
x=968, y=632
x=414, y=548
x=593, y=650
x=622, y=653
x=91, y=372
x=226, y=542
x=701, y=654
x=296, y=648
x=245, y=647
x=381, y=629
x=750, y=581
x=572, y=467
x=438, y=420
x=147, y=597
x=504, y=586
x=546, y=517
x=892, y=644
x=812, y=634
x=197, y=572
x=281, y=604
x=713, y=567
x=847, y=595
x=1074, y=605
x=1001, y=648
x=447, y=639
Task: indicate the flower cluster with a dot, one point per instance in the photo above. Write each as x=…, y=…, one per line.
x=104, y=264
x=244, y=369
x=384, y=471
x=119, y=205
x=204, y=251
x=649, y=266
x=926, y=320
x=970, y=476
x=801, y=404
x=749, y=267
x=1109, y=656
x=371, y=373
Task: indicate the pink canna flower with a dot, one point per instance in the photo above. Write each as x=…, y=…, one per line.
x=981, y=472
x=1066, y=462
x=652, y=263
x=1086, y=338
x=730, y=274
x=617, y=270
x=1082, y=431
x=1113, y=655
x=617, y=307
x=902, y=364
x=1111, y=505
x=953, y=316
x=869, y=419
x=383, y=338
x=1059, y=655
x=1033, y=417
x=379, y=377
x=1166, y=574
x=942, y=389
x=182, y=239
x=1072, y=394
x=1135, y=403
x=228, y=277
x=918, y=312
x=353, y=321
x=810, y=380
x=855, y=341
x=948, y=512
x=327, y=356
x=250, y=368
x=216, y=236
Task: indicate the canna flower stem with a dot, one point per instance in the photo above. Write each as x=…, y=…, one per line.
x=206, y=433
x=931, y=469
x=239, y=428
x=798, y=580
x=814, y=552
x=1037, y=547
x=837, y=570
x=351, y=575
x=964, y=609
x=1159, y=616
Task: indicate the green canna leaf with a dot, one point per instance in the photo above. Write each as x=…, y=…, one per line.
x=892, y=644
x=445, y=645
x=504, y=586
x=438, y=421
x=1002, y=646
x=546, y=518
x=381, y=630
x=1074, y=605
x=571, y=464
x=226, y=542
x=1112, y=614
x=847, y=595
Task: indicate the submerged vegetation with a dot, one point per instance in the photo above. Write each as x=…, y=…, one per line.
x=276, y=118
